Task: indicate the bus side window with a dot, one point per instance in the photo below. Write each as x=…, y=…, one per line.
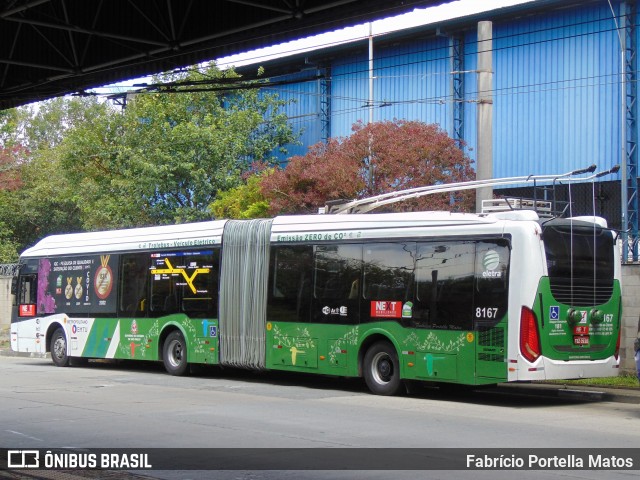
x=445, y=284
x=492, y=280
x=184, y=282
x=27, y=293
x=290, y=280
x=133, y=278
x=14, y=286
x=337, y=282
x=204, y=301
x=388, y=279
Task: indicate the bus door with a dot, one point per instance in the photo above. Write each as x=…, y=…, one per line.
x=27, y=335
x=490, y=301
x=461, y=303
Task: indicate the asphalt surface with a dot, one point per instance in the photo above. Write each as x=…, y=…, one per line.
x=540, y=389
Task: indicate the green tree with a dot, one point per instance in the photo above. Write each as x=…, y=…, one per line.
x=377, y=158
x=10, y=181
x=41, y=201
x=242, y=202
x=8, y=247
x=169, y=155
x=8, y=127
x=48, y=203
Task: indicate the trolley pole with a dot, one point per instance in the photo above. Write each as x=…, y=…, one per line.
x=484, y=163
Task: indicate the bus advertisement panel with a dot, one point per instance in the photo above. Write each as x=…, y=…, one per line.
x=81, y=284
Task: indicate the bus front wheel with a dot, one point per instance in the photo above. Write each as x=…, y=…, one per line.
x=382, y=369
x=175, y=354
x=59, y=348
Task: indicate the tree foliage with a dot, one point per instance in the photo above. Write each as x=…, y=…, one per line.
x=79, y=164
x=44, y=201
x=8, y=127
x=11, y=162
x=8, y=247
x=170, y=154
x=377, y=158
x=242, y=202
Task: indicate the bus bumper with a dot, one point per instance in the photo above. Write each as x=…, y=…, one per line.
x=548, y=369
x=26, y=337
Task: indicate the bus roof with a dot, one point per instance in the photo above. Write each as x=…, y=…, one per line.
x=284, y=228
x=187, y=235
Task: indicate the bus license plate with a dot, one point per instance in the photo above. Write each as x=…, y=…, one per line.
x=581, y=340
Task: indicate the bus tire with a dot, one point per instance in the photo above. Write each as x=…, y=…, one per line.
x=382, y=369
x=174, y=354
x=59, y=348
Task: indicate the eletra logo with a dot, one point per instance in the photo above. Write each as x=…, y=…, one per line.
x=490, y=262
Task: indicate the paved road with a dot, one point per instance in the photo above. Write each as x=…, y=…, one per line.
x=139, y=406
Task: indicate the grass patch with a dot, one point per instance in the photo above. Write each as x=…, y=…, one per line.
x=625, y=380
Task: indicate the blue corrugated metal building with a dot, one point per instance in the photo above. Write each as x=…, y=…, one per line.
x=564, y=90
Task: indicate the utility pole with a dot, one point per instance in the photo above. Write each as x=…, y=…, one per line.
x=484, y=162
x=370, y=104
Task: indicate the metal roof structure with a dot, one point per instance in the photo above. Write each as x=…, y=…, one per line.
x=50, y=48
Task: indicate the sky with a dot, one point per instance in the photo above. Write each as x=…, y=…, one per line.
x=424, y=16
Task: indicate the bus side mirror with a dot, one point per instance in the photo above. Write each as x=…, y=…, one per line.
x=14, y=286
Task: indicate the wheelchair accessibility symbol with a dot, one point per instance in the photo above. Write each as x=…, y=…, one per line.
x=554, y=313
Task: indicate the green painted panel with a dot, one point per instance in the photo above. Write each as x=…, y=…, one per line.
x=100, y=338
x=491, y=354
x=436, y=366
x=587, y=338
x=438, y=355
x=138, y=339
x=204, y=348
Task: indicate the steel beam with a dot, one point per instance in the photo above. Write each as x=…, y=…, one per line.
x=456, y=56
x=325, y=103
x=628, y=14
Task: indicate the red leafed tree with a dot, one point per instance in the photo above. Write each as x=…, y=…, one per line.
x=377, y=158
x=10, y=168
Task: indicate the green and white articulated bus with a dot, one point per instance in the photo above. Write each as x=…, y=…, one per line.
x=472, y=299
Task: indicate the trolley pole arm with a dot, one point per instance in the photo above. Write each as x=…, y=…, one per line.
x=589, y=169
x=612, y=170
x=368, y=204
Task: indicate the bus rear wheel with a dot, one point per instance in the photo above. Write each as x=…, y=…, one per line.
x=174, y=354
x=382, y=369
x=59, y=348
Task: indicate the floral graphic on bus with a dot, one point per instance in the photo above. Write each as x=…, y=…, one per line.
x=435, y=343
x=298, y=344
x=349, y=338
x=46, y=302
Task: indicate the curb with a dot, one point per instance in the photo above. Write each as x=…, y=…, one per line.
x=570, y=392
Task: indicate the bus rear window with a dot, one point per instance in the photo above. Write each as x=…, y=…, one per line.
x=580, y=262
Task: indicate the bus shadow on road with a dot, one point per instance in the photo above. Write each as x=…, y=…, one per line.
x=494, y=395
